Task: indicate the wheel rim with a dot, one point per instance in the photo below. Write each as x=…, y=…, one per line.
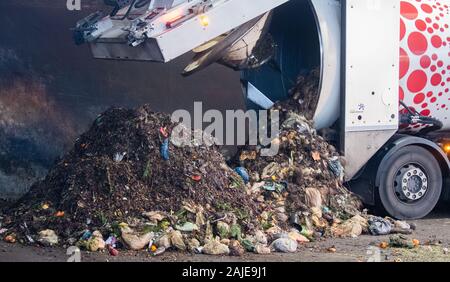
x=411, y=183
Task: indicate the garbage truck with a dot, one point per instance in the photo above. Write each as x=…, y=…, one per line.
x=384, y=75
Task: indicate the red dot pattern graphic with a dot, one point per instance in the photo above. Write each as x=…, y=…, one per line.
x=417, y=81
x=417, y=43
x=404, y=63
x=425, y=57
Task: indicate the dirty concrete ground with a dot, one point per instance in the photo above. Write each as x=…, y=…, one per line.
x=435, y=227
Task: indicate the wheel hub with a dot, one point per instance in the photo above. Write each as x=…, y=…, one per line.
x=412, y=183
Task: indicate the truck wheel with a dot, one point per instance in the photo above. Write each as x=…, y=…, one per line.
x=410, y=183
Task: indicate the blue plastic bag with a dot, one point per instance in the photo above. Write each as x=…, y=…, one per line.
x=243, y=174
x=165, y=149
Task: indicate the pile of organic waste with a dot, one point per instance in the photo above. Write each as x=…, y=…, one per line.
x=127, y=184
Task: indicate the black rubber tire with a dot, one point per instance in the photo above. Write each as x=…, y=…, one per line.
x=386, y=192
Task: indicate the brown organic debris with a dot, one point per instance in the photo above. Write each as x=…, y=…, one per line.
x=125, y=179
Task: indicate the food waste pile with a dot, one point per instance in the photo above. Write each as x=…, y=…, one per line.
x=127, y=185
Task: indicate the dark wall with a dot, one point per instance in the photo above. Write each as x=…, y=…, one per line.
x=51, y=90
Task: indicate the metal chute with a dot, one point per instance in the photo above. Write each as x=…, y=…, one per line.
x=248, y=46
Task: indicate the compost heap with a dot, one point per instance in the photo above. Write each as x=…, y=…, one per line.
x=125, y=167
x=126, y=185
